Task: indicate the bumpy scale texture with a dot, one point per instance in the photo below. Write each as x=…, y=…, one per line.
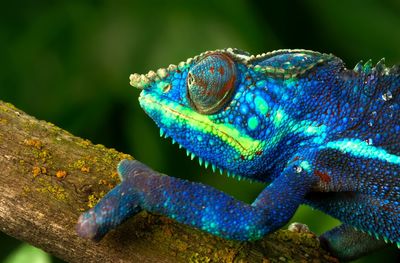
x=319, y=133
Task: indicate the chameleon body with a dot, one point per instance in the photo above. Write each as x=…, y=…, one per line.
x=319, y=133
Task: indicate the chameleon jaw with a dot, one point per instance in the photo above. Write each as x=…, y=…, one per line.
x=171, y=113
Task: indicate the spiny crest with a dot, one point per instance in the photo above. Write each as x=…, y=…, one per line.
x=380, y=67
x=261, y=57
x=302, y=62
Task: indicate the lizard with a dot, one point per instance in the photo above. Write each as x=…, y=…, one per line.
x=320, y=134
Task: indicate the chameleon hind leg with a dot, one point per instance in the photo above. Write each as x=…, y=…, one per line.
x=195, y=204
x=346, y=243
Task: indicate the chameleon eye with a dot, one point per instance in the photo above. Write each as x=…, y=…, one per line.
x=211, y=82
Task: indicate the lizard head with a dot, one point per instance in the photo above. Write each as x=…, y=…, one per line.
x=216, y=105
x=201, y=104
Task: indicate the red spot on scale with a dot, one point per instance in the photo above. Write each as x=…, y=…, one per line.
x=212, y=69
x=259, y=152
x=323, y=176
x=242, y=157
x=338, y=108
x=221, y=70
x=294, y=159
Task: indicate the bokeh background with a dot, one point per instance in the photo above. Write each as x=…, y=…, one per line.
x=68, y=62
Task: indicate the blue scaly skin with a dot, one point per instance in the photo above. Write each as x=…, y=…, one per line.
x=319, y=133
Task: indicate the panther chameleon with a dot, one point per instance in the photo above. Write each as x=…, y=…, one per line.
x=320, y=134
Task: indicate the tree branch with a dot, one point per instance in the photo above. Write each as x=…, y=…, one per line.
x=48, y=177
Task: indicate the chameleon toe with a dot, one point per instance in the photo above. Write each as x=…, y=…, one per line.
x=87, y=226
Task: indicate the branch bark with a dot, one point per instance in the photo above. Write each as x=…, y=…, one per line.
x=48, y=177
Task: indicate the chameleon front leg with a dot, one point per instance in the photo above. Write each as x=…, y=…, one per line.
x=196, y=204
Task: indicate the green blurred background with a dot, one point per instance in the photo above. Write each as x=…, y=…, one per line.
x=68, y=62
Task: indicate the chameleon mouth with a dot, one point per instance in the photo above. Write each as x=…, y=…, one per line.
x=171, y=112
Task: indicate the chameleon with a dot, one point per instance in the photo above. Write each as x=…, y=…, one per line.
x=320, y=134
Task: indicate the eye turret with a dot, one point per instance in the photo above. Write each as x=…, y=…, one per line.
x=211, y=82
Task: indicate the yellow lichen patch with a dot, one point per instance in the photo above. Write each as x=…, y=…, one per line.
x=46, y=187
x=78, y=164
x=102, y=181
x=105, y=182
x=197, y=258
x=85, y=143
x=57, y=191
x=81, y=165
x=85, y=169
x=114, y=175
x=26, y=189
x=111, y=155
x=44, y=154
x=93, y=199
x=3, y=121
x=38, y=151
x=36, y=170
x=34, y=143
x=9, y=105
x=60, y=174
x=122, y=156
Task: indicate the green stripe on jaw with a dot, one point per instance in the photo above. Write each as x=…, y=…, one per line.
x=173, y=113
